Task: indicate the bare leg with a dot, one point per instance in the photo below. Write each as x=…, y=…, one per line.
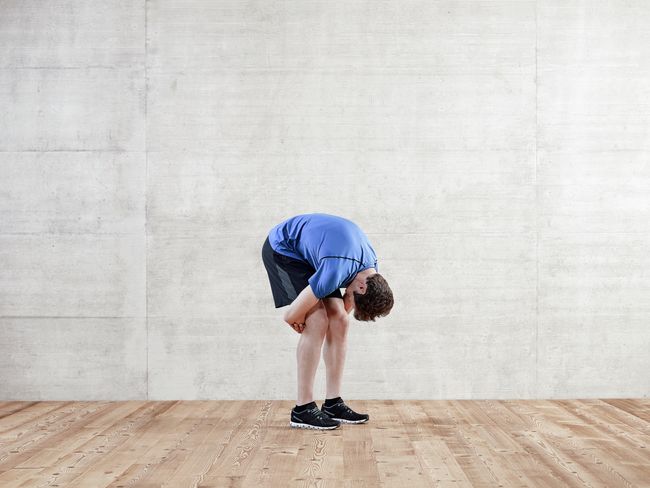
x=309, y=350
x=335, y=345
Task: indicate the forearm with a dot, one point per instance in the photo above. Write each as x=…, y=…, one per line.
x=298, y=309
x=291, y=315
x=348, y=302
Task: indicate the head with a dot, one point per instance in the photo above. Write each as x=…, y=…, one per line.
x=372, y=296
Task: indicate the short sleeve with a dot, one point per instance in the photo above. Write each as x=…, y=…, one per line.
x=331, y=275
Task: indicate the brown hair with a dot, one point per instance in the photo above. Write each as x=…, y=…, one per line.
x=376, y=302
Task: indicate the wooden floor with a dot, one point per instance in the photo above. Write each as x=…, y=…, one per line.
x=581, y=443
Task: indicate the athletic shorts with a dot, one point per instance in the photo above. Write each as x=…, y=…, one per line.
x=287, y=276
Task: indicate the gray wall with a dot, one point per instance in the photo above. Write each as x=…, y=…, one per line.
x=497, y=153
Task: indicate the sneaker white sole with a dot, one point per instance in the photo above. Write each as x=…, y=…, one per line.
x=307, y=426
x=350, y=421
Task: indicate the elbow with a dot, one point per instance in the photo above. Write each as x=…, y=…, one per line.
x=288, y=317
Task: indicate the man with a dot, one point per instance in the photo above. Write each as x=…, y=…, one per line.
x=308, y=259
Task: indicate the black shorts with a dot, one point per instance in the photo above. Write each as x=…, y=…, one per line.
x=287, y=276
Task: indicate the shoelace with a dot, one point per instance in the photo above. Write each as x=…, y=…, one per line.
x=349, y=410
x=343, y=406
x=319, y=413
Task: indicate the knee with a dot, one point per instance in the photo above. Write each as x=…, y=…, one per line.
x=316, y=323
x=338, y=326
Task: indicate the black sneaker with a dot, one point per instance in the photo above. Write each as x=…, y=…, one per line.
x=341, y=412
x=312, y=418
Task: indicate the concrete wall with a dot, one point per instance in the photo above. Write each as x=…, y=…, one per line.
x=497, y=153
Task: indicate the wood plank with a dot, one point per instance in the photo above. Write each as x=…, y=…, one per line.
x=198, y=454
x=242, y=437
x=11, y=408
x=495, y=471
x=66, y=442
x=146, y=445
x=508, y=427
x=615, y=415
x=434, y=459
x=638, y=407
x=359, y=458
x=415, y=443
x=13, y=426
x=118, y=438
x=549, y=439
x=605, y=431
x=21, y=442
x=13, y=478
x=172, y=437
x=393, y=450
x=279, y=454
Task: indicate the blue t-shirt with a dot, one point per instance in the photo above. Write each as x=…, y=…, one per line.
x=334, y=246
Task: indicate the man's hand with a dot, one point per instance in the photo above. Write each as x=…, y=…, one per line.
x=298, y=327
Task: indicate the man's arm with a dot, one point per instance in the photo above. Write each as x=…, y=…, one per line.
x=300, y=306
